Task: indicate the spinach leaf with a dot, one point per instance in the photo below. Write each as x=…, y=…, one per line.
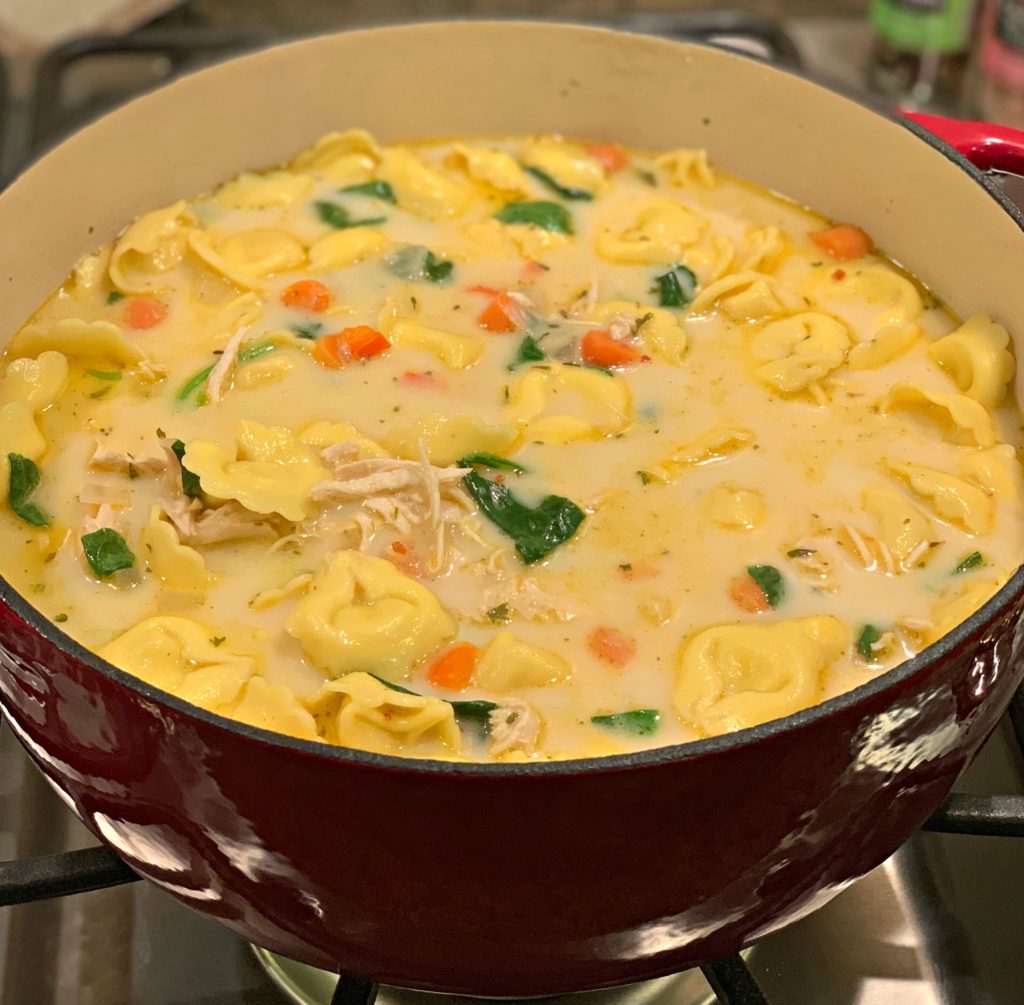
x=972, y=561
x=340, y=219
x=23, y=481
x=105, y=374
x=189, y=479
x=671, y=291
x=106, y=551
x=417, y=263
x=499, y=615
x=773, y=586
x=484, y=460
x=310, y=330
x=563, y=190
x=114, y=295
x=546, y=215
x=868, y=637
x=536, y=532
x=375, y=189
x=636, y=722
x=478, y=710
x=528, y=352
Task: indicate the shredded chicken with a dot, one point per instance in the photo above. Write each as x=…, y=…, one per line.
x=514, y=726
x=105, y=459
x=151, y=371
x=219, y=374
x=182, y=512
x=105, y=494
x=230, y=522
x=501, y=586
x=104, y=516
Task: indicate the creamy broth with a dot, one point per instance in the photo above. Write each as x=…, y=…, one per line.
x=779, y=466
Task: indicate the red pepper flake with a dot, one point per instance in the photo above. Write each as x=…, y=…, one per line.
x=645, y=358
x=839, y=274
x=500, y=479
x=399, y=547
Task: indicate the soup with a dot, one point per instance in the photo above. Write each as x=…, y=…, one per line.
x=504, y=449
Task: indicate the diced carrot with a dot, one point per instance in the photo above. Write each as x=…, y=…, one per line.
x=339, y=348
x=307, y=295
x=453, y=669
x=494, y=317
x=747, y=595
x=413, y=378
x=611, y=646
x=398, y=547
x=843, y=241
x=611, y=156
x=599, y=348
x=362, y=342
x=142, y=312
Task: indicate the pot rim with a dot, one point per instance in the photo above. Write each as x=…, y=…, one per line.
x=654, y=756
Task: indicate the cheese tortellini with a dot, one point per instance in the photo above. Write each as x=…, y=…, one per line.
x=977, y=357
x=658, y=234
x=799, y=350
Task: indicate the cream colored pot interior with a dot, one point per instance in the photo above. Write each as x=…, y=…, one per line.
x=486, y=77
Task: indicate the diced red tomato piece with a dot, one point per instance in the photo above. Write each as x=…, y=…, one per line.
x=747, y=595
x=453, y=669
x=144, y=312
x=307, y=295
x=599, y=348
x=611, y=646
x=611, y=156
x=359, y=342
x=843, y=241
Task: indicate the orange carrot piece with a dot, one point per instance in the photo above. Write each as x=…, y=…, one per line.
x=307, y=295
x=143, y=312
x=599, y=348
x=843, y=241
x=611, y=646
x=362, y=342
x=494, y=317
x=610, y=156
x=329, y=351
x=747, y=595
x=453, y=669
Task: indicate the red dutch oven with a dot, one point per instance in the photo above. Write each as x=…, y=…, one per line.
x=523, y=879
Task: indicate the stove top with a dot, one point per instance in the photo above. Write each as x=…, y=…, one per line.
x=934, y=925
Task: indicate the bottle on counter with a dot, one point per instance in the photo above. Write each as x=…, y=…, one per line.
x=998, y=78
x=920, y=51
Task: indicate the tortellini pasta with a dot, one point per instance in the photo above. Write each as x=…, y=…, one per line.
x=455, y=351
x=496, y=168
x=735, y=676
x=256, y=191
x=687, y=167
x=348, y=157
x=567, y=163
x=357, y=710
x=959, y=418
x=360, y=612
x=509, y=664
x=658, y=233
x=887, y=344
x=595, y=404
x=446, y=438
x=735, y=508
x=742, y=296
x=420, y=187
x=977, y=357
x=997, y=470
x=899, y=524
x=880, y=287
x=152, y=245
x=714, y=445
x=346, y=247
x=799, y=350
x=659, y=329
x=951, y=498
x=92, y=340
x=29, y=387
x=178, y=566
x=268, y=471
x=249, y=255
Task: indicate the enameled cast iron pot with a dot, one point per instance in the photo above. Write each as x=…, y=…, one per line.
x=517, y=879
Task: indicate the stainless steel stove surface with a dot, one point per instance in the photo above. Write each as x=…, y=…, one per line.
x=939, y=923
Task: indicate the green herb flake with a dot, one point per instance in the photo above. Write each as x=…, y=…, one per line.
x=23, y=480
x=869, y=635
x=105, y=374
x=770, y=580
x=193, y=383
x=39, y=587
x=528, y=352
x=626, y=566
x=498, y=615
x=649, y=316
x=309, y=330
x=101, y=393
x=647, y=177
x=551, y=216
x=973, y=561
x=218, y=640
x=636, y=722
x=114, y=295
x=106, y=551
x=645, y=477
x=537, y=531
x=60, y=618
x=800, y=553
x=676, y=288
x=189, y=479
x=483, y=459
x=339, y=218
x=374, y=189
x=565, y=191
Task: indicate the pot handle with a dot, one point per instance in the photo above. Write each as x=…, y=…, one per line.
x=987, y=146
